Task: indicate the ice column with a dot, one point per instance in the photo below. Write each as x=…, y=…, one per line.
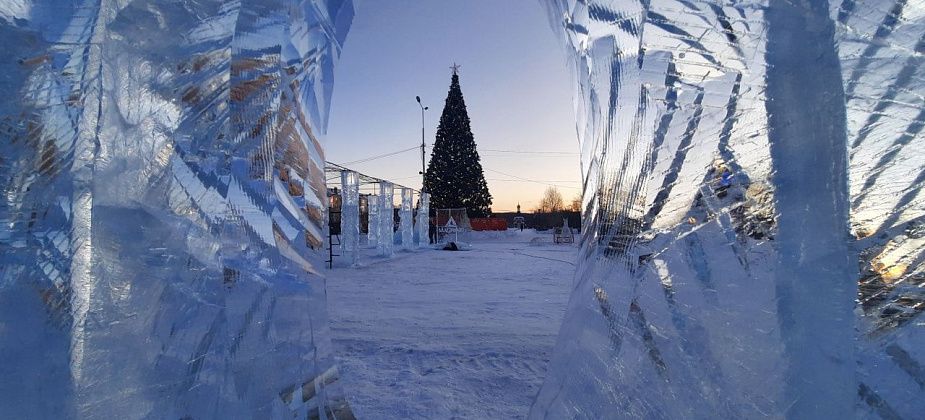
x=423, y=221
x=372, y=233
x=350, y=216
x=386, y=219
x=816, y=266
x=406, y=214
x=881, y=47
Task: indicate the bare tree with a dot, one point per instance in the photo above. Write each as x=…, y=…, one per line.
x=575, y=204
x=552, y=201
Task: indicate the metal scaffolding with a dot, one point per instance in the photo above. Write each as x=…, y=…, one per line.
x=375, y=227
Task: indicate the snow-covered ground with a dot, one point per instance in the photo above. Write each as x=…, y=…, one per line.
x=441, y=334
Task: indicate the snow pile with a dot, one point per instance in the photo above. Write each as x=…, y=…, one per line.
x=489, y=235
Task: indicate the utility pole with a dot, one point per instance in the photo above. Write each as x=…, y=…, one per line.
x=423, y=164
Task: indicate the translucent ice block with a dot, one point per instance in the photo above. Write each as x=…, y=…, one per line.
x=350, y=216
x=406, y=216
x=386, y=219
x=163, y=206
x=422, y=225
x=372, y=235
x=741, y=160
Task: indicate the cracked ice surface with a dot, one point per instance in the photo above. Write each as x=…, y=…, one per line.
x=752, y=210
x=163, y=193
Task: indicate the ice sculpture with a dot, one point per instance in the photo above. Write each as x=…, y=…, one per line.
x=738, y=159
x=386, y=219
x=350, y=216
x=163, y=202
x=406, y=216
x=423, y=220
x=372, y=233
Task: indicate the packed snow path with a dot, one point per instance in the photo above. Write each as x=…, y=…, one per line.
x=441, y=334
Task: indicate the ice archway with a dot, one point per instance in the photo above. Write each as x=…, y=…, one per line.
x=747, y=164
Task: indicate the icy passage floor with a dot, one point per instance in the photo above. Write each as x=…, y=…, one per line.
x=439, y=334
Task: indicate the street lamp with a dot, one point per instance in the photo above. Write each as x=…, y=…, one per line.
x=423, y=166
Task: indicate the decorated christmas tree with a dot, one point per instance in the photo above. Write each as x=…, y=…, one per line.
x=454, y=176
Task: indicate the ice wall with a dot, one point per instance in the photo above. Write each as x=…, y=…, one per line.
x=742, y=161
x=163, y=200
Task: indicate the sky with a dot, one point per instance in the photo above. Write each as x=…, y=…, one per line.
x=513, y=76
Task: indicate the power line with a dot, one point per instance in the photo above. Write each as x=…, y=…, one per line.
x=381, y=156
x=535, y=180
x=530, y=180
x=408, y=177
x=516, y=178
x=515, y=156
x=532, y=152
x=519, y=178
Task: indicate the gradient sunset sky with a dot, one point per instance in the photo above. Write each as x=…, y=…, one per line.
x=513, y=76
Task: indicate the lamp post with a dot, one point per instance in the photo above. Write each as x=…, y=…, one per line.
x=423, y=166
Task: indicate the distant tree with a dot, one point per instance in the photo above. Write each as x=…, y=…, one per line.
x=575, y=204
x=552, y=201
x=454, y=176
